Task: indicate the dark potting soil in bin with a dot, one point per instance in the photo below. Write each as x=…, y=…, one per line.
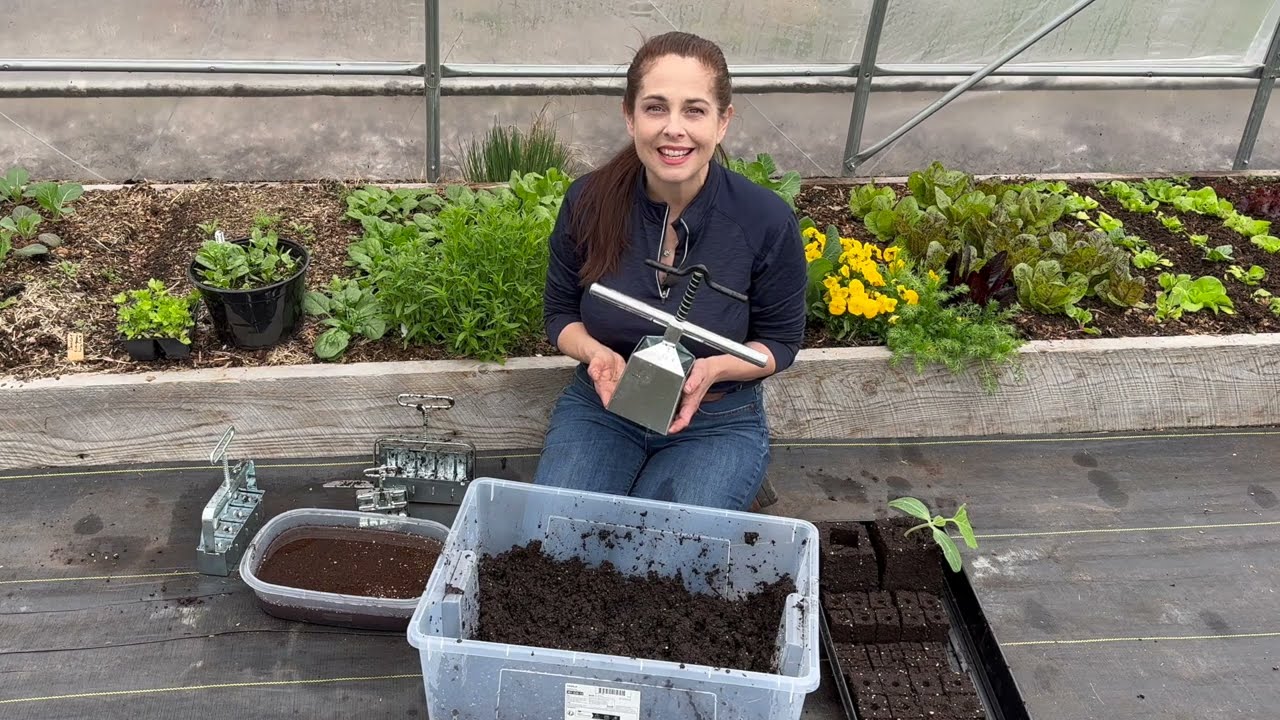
x=529, y=598
x=351, y=561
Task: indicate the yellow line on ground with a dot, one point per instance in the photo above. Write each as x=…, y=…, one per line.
x=215, y=686
x=178, y=573
x=1015, y=441
x=1153, y=638
x=1097, y=531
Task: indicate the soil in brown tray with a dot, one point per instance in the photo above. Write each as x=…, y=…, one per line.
x=365, y=562
x=529, y=598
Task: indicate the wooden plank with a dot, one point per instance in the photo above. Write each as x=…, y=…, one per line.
x=320, y=410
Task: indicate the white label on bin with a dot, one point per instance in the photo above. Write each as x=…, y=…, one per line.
x=589, y=702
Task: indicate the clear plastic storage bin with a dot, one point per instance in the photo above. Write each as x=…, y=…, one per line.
x=324, y=608
x=467, y=679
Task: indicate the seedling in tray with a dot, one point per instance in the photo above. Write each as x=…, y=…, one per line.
x=938, y=524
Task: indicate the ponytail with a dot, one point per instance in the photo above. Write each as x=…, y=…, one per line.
x=601, y=219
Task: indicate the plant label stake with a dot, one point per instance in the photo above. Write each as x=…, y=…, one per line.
x=232, y=516
x=427, y=469
x=382, y=498
x=650, y=388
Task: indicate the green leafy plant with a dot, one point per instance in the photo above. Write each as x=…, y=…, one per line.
x=1252, y=276
x=1204, y=201
x=1268, y=243
x=764, y=172
x=153, y=312
x=55, y=198
x=397, y=205
x=1264, y=297
x=937, y=524
x=866, y=198
x=259, y=263
x=13, y=186
x=1172, y=223
x=1221, y=253
x=1044, y=288
x=1164, y=191
x=1247, y=226
x=956, y=335
x=347, y=310
x=1181, y=294
x=22, y=221
x=1150, y=258
x=1130, y=197
x=1198, y=240
x=505, y=150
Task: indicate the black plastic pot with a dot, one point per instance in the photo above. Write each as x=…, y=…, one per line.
x=148, y=349
x=261, y=317
x=141, y=349
x=173, y=349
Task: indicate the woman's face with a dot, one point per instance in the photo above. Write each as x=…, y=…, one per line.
x=676, y=124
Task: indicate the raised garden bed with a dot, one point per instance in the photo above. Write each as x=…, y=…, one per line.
x=1191, y=367
x=904, y=635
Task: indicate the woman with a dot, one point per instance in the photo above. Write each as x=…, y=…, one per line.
x=663, y=197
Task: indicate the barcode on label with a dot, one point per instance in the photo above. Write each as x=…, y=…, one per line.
x=591, y=702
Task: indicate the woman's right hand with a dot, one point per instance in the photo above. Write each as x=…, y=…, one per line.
x=605, y=369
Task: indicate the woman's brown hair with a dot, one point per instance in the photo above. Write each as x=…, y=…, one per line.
x=602, y=215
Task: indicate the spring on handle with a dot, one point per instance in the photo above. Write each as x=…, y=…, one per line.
x=686, y=302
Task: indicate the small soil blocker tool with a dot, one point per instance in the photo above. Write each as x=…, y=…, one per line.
x=419, y=469
x=651, y=386
x=232, y=516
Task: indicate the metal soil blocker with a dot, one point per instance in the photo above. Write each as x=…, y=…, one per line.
x=232, y=516
x=422, y=468
x=650, y=388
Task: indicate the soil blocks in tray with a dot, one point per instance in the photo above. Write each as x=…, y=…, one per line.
x=881, y=592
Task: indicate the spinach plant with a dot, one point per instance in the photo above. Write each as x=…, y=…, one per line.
x=937, y=525
x=347, y=310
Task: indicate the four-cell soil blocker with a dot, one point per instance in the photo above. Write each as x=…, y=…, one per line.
x=434, y=473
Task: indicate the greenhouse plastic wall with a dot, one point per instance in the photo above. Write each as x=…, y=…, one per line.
x=1040, y=114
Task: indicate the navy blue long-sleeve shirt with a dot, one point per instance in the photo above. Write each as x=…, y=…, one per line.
x=747, y=237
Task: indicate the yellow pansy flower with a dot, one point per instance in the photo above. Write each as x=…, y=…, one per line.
x=890, y=254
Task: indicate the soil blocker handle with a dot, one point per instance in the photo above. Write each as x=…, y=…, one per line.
x=219, y=454
x=444, y=401
x=701, y=270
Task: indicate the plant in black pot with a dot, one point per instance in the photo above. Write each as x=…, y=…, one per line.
x=253, y=286
x=154, y=323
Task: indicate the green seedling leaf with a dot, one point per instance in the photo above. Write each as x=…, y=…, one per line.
x=332, y=343
x=1252, y=276
x=961, y=519
x=13, y=186
x=912, y=507
x=31, y=251
x=1221, y=253
x=949, y=549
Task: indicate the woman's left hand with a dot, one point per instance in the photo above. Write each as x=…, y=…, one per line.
x=701, y=377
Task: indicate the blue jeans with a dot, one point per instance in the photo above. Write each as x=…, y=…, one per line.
x=718, y=461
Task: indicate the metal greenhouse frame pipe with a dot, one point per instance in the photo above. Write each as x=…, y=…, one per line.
x=1267, y=80
x=431, y=73
x=853, y=162
x=229, y=67
x=866, y=74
